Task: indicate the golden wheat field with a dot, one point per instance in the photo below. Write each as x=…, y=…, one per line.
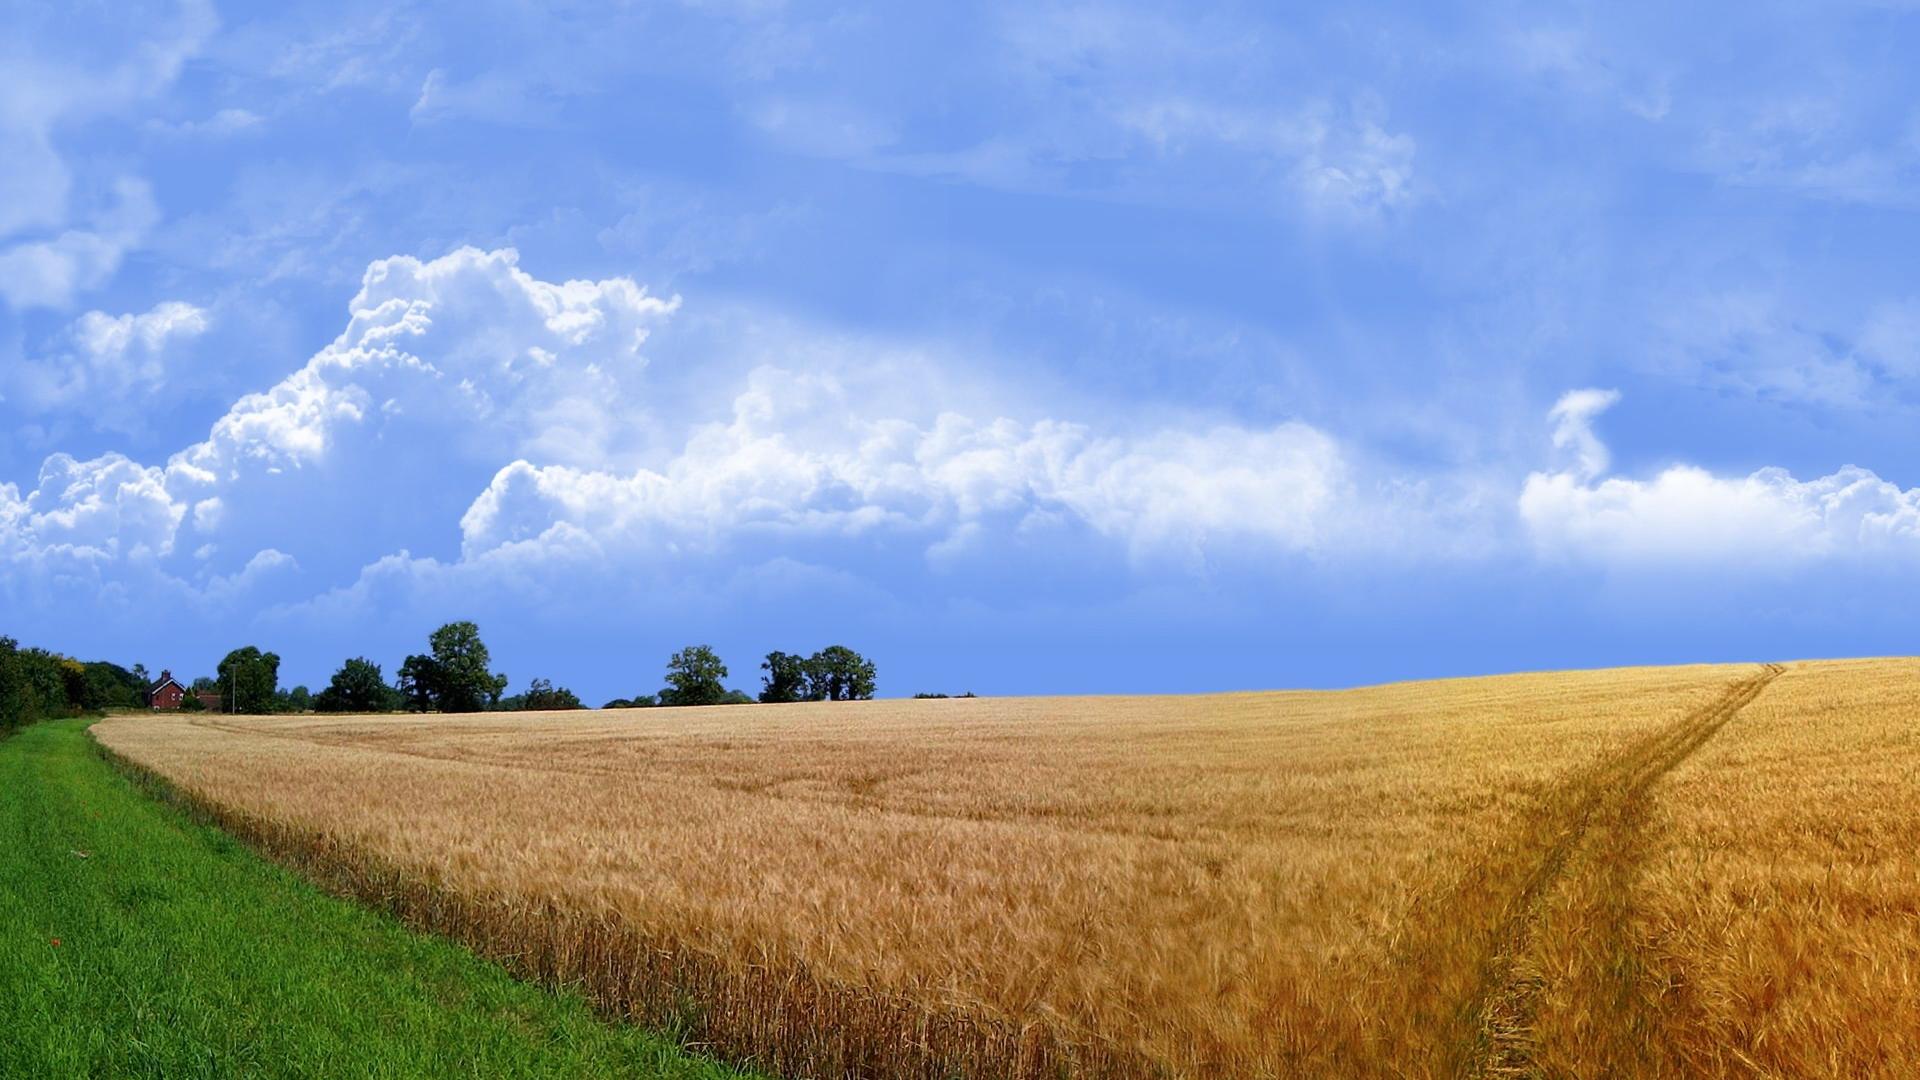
x=1709, y=870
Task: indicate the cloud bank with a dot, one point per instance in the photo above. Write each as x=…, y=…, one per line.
x=476, y=428
x=470, y=411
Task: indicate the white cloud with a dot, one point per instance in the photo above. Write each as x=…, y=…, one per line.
x=1572, y=418
x=48, y=252
x=1690, y=516
x=109, y=338
x=468, y=344
x=771, y=471
x=456, y=364
x=467, y=399
x=49, y=272
x=106, y=361
x=105, y=509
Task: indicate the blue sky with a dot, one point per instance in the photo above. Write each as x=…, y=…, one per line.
x=1027, y=348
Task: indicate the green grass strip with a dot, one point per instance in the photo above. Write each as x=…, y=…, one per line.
x=135, y=942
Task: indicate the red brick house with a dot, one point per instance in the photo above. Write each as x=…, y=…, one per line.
x=167, y=693
x=210, y=700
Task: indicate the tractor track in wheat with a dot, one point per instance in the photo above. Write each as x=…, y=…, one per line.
x=1603, y=809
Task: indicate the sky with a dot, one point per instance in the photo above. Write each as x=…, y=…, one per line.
x=1026, y=348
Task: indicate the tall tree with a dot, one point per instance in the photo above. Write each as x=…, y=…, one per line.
x=837, y=673
x=785, y=679
x=248, y=680
x=460, y=661
x=419, y=683
x=694, y=677
x=357, y=687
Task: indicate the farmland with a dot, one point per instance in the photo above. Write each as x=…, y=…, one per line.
x=1706, y=870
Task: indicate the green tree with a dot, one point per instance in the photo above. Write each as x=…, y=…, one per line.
x=639, y=701
x=461, y=680
x=19, y=705
x=73, y=685
x=248, y=680
x=418, y=683
x=357, y=687
x=543, y=696
x=694, y=677
x=45, y=677
x=100, y=687
x=785, y=679
x=110, y=686
x=300, y=699
x=837, y=673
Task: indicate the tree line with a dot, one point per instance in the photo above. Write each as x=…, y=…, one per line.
x=697, y=676
x=454, y=675
x=38, y=684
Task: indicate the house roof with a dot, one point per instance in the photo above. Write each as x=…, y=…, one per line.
x=162, y=684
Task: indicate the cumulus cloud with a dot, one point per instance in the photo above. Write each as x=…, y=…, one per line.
x=101, y=510
x=769, y=471
x=467, y=345
x=446, y=369
x=106, y=358
x=489, y=420
x=1688, y=515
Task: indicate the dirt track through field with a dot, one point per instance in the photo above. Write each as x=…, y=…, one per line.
x=1592, y=826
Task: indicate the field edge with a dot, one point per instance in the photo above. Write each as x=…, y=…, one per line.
x=708, y=1005
x=141, y=940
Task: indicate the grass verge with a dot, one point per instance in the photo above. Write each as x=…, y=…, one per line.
x=134, y=942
